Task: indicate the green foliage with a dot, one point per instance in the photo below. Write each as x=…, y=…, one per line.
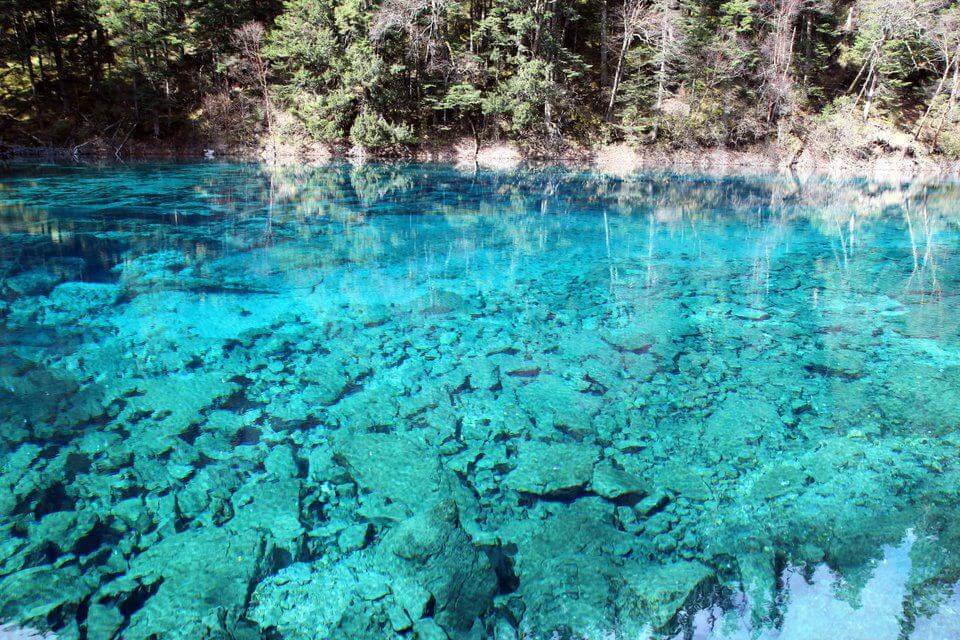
x=950, y=143
x=371, y=131
x=888, y=47
x=523, y=97
x=148, y=34
x=738, y=15
x=384, y=73
x=462, y=96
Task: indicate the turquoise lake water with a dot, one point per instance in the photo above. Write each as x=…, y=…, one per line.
x=411, y=401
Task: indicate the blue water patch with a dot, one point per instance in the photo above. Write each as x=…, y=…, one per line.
x=414, y=401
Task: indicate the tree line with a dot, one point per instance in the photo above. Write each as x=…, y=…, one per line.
x=386, y=73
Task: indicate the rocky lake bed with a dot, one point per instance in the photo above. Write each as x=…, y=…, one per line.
x=388, y=401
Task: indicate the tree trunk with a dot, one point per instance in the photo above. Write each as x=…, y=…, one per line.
x=666, y=25
x=604, y=42
x=538, y=12
x=870, y=93
x=43, y=75
x=91, y=49
x=808, y=49
x=630, y=10
x=948, y=115
x=26, y=53
x=950, y=63
x=54, y=38
x=548, y=106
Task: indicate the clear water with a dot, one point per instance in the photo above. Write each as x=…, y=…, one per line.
x=412, y=401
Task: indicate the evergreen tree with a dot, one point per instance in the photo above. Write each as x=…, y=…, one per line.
x=379, y=74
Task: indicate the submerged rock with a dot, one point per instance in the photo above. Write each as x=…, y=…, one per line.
x=748, y=313
x=31, y=595
x=758, y=580
x=80, y=301
x=845, y=364
x=103, y=621
x=371, y=427
x=272, y=506
x=438, y=303
x=432, y=551
x=32, y=283
x=612, y=482
x=655, y=593
x=429, y=630
x=430, y=575
x=552, y=468
x=200, y=579
x=631, y=340
x=570, y=570
x=739, y=424
x=555, y=404
x=391, y=466
x=306, y=601
x=153, y=271
x=325, y=380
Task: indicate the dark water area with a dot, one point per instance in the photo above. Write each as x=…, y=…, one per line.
x=413, y=401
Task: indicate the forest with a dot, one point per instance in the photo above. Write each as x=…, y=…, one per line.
x=385, y=75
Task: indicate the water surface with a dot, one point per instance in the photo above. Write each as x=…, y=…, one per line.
x=412, y=401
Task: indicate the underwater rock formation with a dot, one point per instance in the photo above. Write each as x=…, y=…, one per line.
x=425, y=573
x=561, y=406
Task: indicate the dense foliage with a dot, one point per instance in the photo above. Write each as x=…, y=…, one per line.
x=385, y=73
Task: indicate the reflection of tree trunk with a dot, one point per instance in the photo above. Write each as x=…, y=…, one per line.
x=925, y=265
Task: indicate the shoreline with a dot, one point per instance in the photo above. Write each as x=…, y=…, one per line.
x=616, y=159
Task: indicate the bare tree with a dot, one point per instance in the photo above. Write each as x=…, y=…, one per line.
x=253, y=65
x=942, y=26
x=880, y=22
x=422, y=22
x=631, y=15
x=662, y=27
x=604, y=42
x=777, y=50
x=654, y=23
